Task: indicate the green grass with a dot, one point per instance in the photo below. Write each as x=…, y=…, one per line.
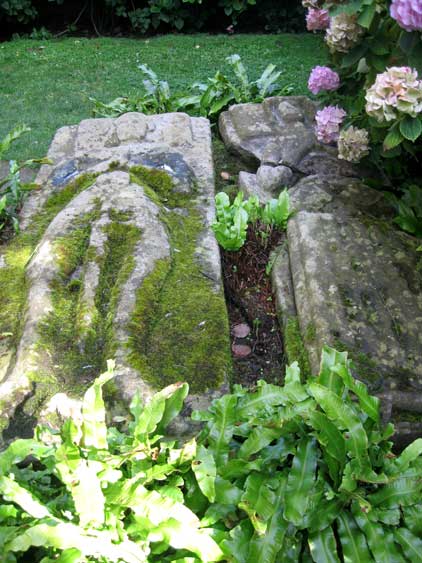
x=46, y=84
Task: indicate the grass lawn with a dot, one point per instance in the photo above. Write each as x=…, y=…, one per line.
x=46, y=84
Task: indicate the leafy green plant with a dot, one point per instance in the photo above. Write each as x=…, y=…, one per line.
x=233, y=219
x=12, y=191
x=90, y=493
x=208, y=99
x=299, y=472
x=277, y=211
x=409, y=208
x=157, y=99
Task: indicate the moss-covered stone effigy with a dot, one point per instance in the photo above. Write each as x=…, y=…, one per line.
x=116, y=259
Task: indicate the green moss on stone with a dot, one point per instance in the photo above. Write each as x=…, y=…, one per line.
x=294, y=346
x=310, y=333
x=119, y=216
x=159, y=186
x=179, y=327
x=116, y=265
x=58, y=329
x=17, y=254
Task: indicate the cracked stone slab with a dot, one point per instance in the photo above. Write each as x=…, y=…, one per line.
x=176, y=146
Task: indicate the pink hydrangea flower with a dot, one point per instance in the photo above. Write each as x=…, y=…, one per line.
x=317, y=20
x=328, y=121
x=323, y=78
x=395, y=92
x=407, y=13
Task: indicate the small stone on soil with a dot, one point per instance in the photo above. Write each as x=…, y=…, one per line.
x=241, y=330
x=241, y=350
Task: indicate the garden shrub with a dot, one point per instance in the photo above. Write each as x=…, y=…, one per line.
x=207, y=100
x=297, y=472
x=374, y=88
x=147, y=16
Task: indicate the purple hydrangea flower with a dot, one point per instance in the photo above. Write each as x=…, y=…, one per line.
x=323, y=78
x=328, y=121
x=317, y=20
x=408, y=14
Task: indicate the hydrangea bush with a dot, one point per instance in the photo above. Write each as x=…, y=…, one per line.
x=373, y=87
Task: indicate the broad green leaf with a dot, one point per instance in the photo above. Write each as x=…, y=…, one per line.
x=323, y=546
x=222, y=427
x=258, y=439
x=410, y=544
x=413, y=519
x=300, y=481
x=292, y=374
x=205, y=472
x=411, y=128
x=327, y=377
x=237, y=546
x=380, y=543
x=368, y=403
x=235, y=468
x=21, y=449
x=393, y=138
x=13, y=492
x=63, y=536
x=354, y=55
x=366, y=17
x=7, y=511
x=70, y=556
x=332, y=444
x=351, y=7
x=264, y=548
x=345, y=417
x=401, y=492
x=391, y=517
x=267, y=397
x=180, y=536
x=292, y=546
x=409, y=454
x=11, y=137
x=258, y=501
x=177, y=394
x=325, y=513
x=226, y=492
x=94, y=429
x=329, y=436
x=87, y=494
x=353, y=543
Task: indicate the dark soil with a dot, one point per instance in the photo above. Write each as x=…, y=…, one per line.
x=250, y=300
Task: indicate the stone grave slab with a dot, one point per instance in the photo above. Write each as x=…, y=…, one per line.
x=116, y=259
